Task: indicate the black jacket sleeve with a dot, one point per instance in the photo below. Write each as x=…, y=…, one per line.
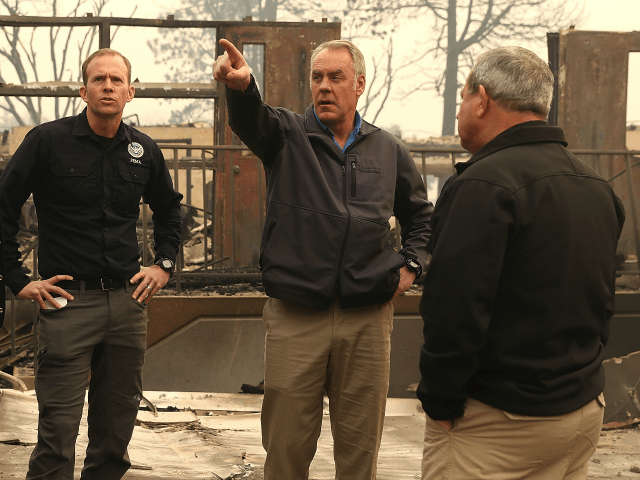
x=412, y=209
x=3, y=281
x=164, y=201
x=16, y=184
x=257, y=124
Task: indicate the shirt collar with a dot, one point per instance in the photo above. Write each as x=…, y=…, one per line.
x=352, y=136
x=83, y=128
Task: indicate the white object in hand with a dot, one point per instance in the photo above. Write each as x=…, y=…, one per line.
x=61, y=301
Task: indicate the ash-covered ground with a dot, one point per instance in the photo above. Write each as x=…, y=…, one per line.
x=201, y=288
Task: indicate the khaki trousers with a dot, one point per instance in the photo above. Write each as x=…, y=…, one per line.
x=343, y=352
x=489, y=444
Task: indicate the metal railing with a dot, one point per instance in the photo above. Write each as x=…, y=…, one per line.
x=629, y=156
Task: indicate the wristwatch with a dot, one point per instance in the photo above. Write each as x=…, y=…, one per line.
x=414, y=267
x=166, y=264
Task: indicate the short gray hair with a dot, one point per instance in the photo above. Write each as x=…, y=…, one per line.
x=514, y=77
x=356, y=55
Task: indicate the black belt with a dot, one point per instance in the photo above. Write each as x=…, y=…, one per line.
x=105, y=283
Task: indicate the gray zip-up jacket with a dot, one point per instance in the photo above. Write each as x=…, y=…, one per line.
x=327, y=230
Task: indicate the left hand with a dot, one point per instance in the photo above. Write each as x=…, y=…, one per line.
x=151, y=280
x=446, y=424
x=406, y=280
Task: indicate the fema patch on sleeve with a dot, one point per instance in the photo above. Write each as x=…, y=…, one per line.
x=135, y=150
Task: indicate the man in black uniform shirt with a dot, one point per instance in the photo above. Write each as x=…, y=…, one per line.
x=87, y=174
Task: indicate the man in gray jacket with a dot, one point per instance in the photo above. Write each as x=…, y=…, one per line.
x=333, y=182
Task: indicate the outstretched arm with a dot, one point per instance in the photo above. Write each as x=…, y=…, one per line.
x=231, y=68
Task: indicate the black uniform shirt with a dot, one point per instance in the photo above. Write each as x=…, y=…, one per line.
x=87, y=200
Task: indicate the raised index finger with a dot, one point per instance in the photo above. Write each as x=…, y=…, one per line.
x=232, y=51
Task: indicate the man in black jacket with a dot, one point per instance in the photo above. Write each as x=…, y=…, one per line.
x=519, y=291
x=333, y=182
x=87, y=174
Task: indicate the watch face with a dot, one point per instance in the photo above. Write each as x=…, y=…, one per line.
x=167, y=264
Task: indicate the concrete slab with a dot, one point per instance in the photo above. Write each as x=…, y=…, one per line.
x=219, y=354
x=209, y=354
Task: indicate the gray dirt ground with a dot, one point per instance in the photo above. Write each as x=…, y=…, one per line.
x=227, y=447
x=617, y=456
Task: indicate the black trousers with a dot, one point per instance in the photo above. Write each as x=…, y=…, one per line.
x=102, y=332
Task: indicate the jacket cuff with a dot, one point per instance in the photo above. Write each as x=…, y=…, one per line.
x=165, y=251
x=438, y=408
x=248, y=91
x=17, y=279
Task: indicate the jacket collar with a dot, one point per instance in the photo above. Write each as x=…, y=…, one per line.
x=82, y=128
x=536, y=131
x=312, y=127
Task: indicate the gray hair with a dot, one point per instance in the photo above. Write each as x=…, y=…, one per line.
x=356, y=55
x=514, y=77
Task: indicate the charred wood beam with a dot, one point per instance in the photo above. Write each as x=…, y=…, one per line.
x=143, y=90
x=224, y=278
x=16, y=382
x=89, y=21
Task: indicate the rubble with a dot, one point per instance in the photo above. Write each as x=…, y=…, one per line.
x=621, y=390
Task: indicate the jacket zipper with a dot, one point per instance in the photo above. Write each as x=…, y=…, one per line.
x=346, y=232
x=346, y=206
x=353, y=178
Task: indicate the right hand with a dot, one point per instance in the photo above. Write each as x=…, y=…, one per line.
x=407, y=277
x=40, y=291
x=231, y=68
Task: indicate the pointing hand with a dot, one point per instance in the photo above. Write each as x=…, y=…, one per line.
x=231, y=68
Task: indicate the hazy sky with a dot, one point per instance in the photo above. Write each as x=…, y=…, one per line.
x=420, y=115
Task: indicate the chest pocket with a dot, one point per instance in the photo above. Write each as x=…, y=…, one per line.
x=129, y=185
x=367, y=180
x=75, y=180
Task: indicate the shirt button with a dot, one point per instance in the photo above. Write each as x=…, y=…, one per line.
x=135, y=176
x=72, y=170
x=106, y=229
x=107, y=254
